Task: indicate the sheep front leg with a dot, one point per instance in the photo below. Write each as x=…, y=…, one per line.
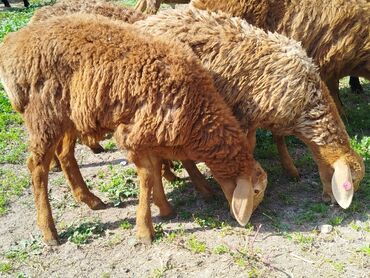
x=147, y=173
x=285, y=158
x=81, y=193
x=333, y=86
x=39, y=168
x=198, y=180
x=141, y=6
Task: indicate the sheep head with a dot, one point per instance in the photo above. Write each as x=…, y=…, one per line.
x=245, y=192
x=341, y=177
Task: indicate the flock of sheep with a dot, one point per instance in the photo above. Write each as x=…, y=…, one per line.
x=187, y=84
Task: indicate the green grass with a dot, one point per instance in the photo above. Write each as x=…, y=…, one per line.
x=23, y=250
x=12, y=134
x=5, y=267
x=126, y=225
x=83, y=233
x=221, y=249
x=195, y=245
x=11, y=185
x=119, y=183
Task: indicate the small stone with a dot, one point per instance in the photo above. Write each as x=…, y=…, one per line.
x=123, y=163
x=326, y=229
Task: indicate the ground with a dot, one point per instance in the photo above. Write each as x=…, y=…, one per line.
x=285, y=237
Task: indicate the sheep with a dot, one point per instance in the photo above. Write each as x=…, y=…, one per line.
x=88, y=75
x=225, y=46
x=269, y=82
x=152, y=6
x=101, y=7
x=337, y=41
x=6, y=3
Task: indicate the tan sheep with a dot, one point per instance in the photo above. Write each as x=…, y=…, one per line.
x=269, y=82
x=88, y=75
x=335, y=33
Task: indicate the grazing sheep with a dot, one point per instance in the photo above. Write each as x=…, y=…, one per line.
x=335, y=33
x=269, y=82
x=227, y=48
x=152, y=6
x=88, y=75
x=101, y=7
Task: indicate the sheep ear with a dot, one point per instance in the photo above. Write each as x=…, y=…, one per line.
x=341, y=183
x=242, y=202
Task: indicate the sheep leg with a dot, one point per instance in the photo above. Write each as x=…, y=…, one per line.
x=152, y=6
x=333, y=86
x=38, y=164
x=26, y=3
x=55, y=164
x=165, y=209
x=6, y=3
x=81, y=193
x=147, y=172
x=141, y=6
x=198, y=180
x=355, y=84
x=166, y=171
x=326, y=174
x=285, y=158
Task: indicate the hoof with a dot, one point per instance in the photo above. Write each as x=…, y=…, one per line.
x=145, y=238
x=328, y=198
x=293, y=173
x=97, y=149
x=168, y=216
x=207, y=195
x=51, y=242
x=99, y=206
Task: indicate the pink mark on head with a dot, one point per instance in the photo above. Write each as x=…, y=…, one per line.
x=347, y=185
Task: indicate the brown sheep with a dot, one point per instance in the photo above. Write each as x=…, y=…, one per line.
x=269, y=82
x=335, y=33
x=213, y=37
x=88, y=75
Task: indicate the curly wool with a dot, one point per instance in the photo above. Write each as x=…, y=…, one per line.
x=101, y=7
x=102, y=76
x=266, y=78
x=335, y=33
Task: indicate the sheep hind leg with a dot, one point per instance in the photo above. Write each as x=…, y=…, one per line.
x=80, y=191
x=149, y=173
x=355, y=84
x=285, y=158
x=166, y=211
x=198, y=180
x=38, y=163
x=166, y=171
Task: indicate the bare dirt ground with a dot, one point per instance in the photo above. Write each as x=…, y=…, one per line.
x=284, y=239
